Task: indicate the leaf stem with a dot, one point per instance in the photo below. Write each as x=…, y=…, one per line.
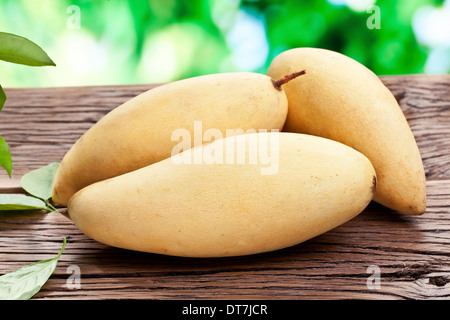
x=50, y=206
x=62, y=249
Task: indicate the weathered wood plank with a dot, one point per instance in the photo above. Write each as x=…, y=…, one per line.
x=425, y=101
x=410, y=251
x=40, y=125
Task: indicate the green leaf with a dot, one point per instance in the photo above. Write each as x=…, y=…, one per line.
x=2, y=98
x=5, y=156
x=39, y=182
x=20, y=50
x=15, y=202
x=25, y=282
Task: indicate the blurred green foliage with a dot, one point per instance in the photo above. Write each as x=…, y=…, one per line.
x=141, y=41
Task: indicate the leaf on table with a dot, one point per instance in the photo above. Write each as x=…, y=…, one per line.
x=16, y=49
x=26, y=281
x=2, y=98
x=5, y=156
x=39, y=182
x=15, y=202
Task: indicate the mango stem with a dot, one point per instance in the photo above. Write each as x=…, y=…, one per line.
x=278, y=83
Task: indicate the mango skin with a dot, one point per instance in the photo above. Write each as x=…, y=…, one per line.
x=218, y=210
x=138, y=132
x=342, y=100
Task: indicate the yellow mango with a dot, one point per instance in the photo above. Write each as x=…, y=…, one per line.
x=139, y=132
x=229, y=204
x=341, y=99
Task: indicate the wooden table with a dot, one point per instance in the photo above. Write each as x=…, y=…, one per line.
x=412, y=253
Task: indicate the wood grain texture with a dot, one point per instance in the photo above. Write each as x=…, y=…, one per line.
x=410, y=251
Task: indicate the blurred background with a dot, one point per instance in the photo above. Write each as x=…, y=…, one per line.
x=113, y=42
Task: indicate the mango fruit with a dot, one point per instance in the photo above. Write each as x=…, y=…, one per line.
x=229, y=206
x=342, y=100
x=139, y=132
